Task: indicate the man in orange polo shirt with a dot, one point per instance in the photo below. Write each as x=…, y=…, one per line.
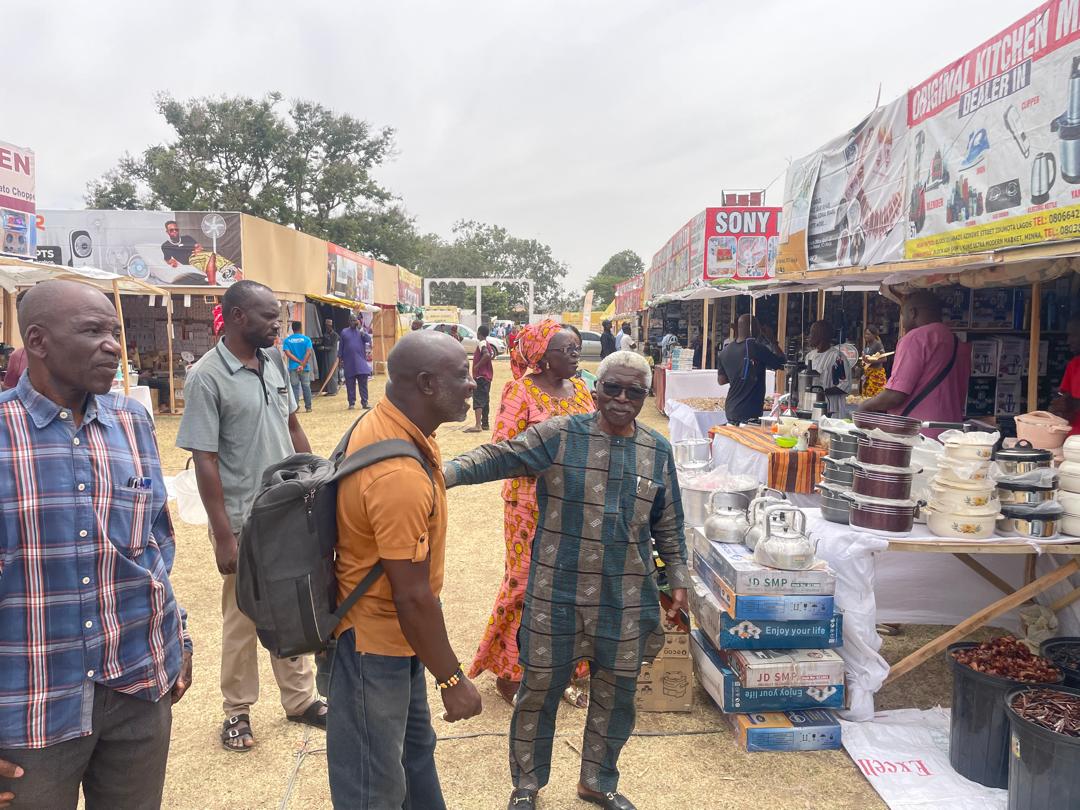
x=380, y=745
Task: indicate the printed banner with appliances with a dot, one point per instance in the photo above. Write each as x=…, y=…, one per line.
x=410, y=288
x=844, y=204
x=165, y=248
x=349, y=275
x=630, y=295
x=17, y=232
x=994, y=151
x=740, y=245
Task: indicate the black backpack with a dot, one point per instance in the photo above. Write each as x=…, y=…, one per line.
x=285, y=579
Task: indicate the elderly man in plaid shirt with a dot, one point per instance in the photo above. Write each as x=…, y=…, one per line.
x=93, y=646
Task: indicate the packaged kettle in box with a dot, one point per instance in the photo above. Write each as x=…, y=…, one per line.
x=780, y=608
x=735, y=564
x=758, y=669
x=730, y=695
x=811, y=730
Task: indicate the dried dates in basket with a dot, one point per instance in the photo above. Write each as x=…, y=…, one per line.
x=1005, y=657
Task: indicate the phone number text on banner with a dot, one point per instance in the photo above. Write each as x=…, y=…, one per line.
x=1030, y=229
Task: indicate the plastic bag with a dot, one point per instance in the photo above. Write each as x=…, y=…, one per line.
x=1040, y=477
x=975, y=437
x=189, y=504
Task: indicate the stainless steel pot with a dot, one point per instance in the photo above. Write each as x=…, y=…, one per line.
x=1023, y=494
x=1033, y=527
x=695, y=502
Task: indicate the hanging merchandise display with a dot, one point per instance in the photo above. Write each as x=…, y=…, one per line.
x=1003, y=121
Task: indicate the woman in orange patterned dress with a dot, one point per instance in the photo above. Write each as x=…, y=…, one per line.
x=544, y=361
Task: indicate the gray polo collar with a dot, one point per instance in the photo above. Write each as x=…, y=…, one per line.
x=230, y=360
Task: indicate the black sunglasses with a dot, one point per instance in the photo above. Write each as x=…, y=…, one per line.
x=634, y=393
x=569, y=351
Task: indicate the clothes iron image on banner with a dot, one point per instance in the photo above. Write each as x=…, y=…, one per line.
x=165, y=248
x=741, y=244
x=855, y=215
x=994, y=151
x=17, y=232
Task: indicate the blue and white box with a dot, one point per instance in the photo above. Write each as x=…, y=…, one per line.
x=781, y=608
x=811, y=730
x=735, y=564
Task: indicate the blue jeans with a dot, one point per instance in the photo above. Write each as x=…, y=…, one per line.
x=380, y=746
x=301, y=380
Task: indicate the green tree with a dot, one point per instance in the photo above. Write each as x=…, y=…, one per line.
x=623, y=265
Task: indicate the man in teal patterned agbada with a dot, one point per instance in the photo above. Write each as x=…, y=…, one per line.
x=606, y=491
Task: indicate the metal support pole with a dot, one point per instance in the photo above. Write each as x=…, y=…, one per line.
x=1033, y=347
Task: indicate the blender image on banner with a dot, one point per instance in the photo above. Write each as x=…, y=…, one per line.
x=1067, y=127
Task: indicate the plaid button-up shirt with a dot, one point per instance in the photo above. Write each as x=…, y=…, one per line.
x=86, y=546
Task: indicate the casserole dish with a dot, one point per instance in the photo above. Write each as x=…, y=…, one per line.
x=889, y=454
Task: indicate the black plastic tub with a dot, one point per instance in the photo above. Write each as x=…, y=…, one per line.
x=1044, y=767
x=979, y=729
x=1046, y=650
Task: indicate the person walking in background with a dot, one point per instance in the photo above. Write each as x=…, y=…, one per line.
x=380, y=746
x=626, y=341
x=330, y=363
x=544, y=362
x=874, y=377
x=483, y=373
x=931, y=368
x=300, y=353
x=607, y=340
x=353, y=349
x=834, y=373
x=239, y=418
x=94, y=649
x=741, y=365
x=592, y=596
x=1067, y=403
x=455, y=333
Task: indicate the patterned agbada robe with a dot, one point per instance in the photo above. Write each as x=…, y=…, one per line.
x=603, y=500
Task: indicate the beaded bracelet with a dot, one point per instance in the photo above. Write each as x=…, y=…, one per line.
x=453, y=680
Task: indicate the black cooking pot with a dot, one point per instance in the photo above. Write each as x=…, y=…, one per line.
x=837, y=473
x=1022, y=458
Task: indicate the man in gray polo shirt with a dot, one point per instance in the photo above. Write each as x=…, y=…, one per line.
x=239, y=418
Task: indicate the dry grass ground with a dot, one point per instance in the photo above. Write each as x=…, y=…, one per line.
x=702, y=768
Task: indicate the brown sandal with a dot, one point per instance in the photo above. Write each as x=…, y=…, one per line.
x=233, y=732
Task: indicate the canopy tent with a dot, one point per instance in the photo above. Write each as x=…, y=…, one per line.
x=17, y=274
x=345, y=303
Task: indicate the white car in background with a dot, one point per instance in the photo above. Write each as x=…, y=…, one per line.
x=590, y=345
x=468, y=336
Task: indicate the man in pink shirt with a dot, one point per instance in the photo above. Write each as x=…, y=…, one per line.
x=1067, y=404
x=15, y=367
x=931, y=370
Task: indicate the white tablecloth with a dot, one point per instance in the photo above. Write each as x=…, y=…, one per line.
x=141, y=394
x=907, y=587
x=701, y=383
x=686, y=423
x=738, y=459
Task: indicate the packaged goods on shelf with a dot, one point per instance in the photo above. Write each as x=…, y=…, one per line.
x=738, y=606
x=735, y=565
x=758, y=669
x=812, y=730
x=724, y=687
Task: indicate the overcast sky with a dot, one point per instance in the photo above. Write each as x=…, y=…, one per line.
x=592, y=126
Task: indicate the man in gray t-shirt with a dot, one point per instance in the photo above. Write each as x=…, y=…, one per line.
x=239, y=418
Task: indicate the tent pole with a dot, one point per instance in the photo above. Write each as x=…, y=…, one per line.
x=781, y=336
x=704, y=333
x=123, y=335
x=821, y=305
x=1033, y=347
x=169, y=349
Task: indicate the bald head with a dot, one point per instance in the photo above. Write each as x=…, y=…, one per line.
x=744, y=326
x=429, y=378
x=71, y=333
x=920, y=309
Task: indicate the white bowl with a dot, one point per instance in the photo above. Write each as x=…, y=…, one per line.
x=966, y=527
x=1071, y=448
x=1070, y=525
x=958, y=498
x=1070, y=501
x=968, y=452
x=1069, y=483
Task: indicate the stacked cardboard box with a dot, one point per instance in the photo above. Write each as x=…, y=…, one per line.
x=762, y=649
x=667, y=684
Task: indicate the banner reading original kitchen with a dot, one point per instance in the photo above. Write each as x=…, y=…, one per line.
x=994, y=157
x=17, y=231
x=844, y=203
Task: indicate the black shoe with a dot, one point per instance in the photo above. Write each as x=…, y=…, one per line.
x=522, y=799
x=351, y=407
x=609, y=801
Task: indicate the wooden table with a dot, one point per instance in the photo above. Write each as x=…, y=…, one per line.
x=1013, y=597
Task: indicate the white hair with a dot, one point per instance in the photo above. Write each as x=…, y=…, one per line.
x=628, y=360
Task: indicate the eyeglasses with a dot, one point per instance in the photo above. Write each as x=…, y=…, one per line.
x=569, y=351
x=634, y=393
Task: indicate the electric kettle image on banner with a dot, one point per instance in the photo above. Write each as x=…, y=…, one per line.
x=1043, y=175
x=1067, y=127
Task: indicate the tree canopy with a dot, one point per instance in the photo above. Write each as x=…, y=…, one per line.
x=623, y=265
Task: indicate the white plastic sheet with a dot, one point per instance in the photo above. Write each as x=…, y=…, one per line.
x=189, y=504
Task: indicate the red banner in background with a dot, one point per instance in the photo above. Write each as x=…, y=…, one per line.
x=740, y=244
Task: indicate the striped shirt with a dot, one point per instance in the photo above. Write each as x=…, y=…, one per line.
x=603, y=501
x=85, y=553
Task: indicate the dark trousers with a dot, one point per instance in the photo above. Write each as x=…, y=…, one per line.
x=121, y=765
x=482, y=400
x=354, y=382
x=380, y=746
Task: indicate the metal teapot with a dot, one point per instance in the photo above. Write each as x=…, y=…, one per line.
x=786, y=546
x=727, y=521
x=758, y=509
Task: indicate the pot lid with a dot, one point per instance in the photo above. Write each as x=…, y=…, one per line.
x=1015, y=487
x=1022, y=451
x=1043, y=511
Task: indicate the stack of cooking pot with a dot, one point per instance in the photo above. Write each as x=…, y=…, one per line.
x=962, y=500
x=1027, y=486
x=880, y=497
x=1069, y=496
x=838, y=476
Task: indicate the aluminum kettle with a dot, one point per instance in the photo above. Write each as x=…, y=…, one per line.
x=1043, y=175
x=726, y=523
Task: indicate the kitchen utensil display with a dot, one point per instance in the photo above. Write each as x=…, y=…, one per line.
x=786, y=545
x=692, y=454
x=696, y=495
x=758, y=515
x=1038, y=523
x=727, y=521
x=1042, y=429
x=1070, y=525
x=892, y=486
x=884, y=517
x=1010, y=494
x=1070, y=502
x=889, y=454
x=1071, y=449
x=1070, y=476
x=1022, y=457
x=969, y=526
x=954, y=498
x=1067, y=127
x=1043, y=175
x=808, y=378
x=845, y=445
x=1015, y=126
x=835, y=506
x=837, y=474
x=887, y=422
